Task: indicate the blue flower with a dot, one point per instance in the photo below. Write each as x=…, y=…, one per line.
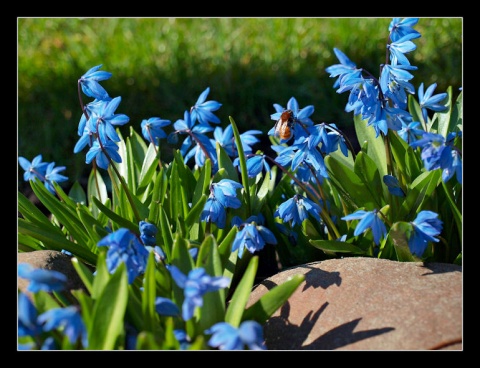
x=252, y=235
x=297, y=209
x=248, y=139
x=183, y=339
x=52, y=175
x=401, y=27
x=435, y=153
x=195, y=135
x=87, y=137
x=454, y=168
x=203, y=110
x=69, y=320
x=334, y=140
x=309, y=155
x=157, y=252
x=226, y=139
x=368, y=220
x=429, y=101
x=393, y=185
x=148, y=233
x=124, y=247
x=400, y=47
x=103, y=120
x=394, y=83
x=222, y=195
x=166, y=307
x=34, y=169
x=226, y=337
x=28, y=324
x=152, y=129
x=256, y=164
x=215, y=212
x=195, y=285
x=102, y=153
x=409, y=132
x=41, y=279
x=225, y=191
x=89, y=82
x=344, y=70
x=426, y=227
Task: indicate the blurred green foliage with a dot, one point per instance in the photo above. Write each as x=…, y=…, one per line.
x=161, y=65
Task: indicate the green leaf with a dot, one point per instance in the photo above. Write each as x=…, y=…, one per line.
x=241, y=295
x=65, y=214
x=420, y=190
x=93, y=227
x=243, y=165
x=149, y=294
x=225, y=249
x=54, y=239
x=44, y=301
x=349, y=185
x=108, y=314
x=148, y=341
x=376, y=145
x=225, y=162
x=400, y=233
x=441, y=120
x=31, y=212
x=101, y=275
x=166, y=232
x=86, y=305
x=367, y=171
x=117, y=219
x=182, y=259
x=69, y=202
x=96, y=188
x=213, y=308
x=149, y=167
x=329, y=246
x=194, y=213
x=176, y=203
x=405, y=159
x=134, y=312
x=85, y=274
x=345, y=160
x=203, y=182
x=272, y=300
x=456, y=120
x=78, y=194
x=137, y=148
x=187, y=181
x=416, y=112
x=28, y=244
x=457, y=214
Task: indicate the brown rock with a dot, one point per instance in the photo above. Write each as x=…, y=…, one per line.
x=361, y=303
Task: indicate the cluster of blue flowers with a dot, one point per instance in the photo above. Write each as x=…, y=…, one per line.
x=31, y=324
x=301, y=147
x=125, y=247
x=44, y=171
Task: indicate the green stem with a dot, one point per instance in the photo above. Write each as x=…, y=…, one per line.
x=127, y=192
x=243, y=166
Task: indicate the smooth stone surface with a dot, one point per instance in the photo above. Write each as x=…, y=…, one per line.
x=50, y=260
x=358, y=303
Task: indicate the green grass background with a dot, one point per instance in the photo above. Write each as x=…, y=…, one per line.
x=161, y=65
